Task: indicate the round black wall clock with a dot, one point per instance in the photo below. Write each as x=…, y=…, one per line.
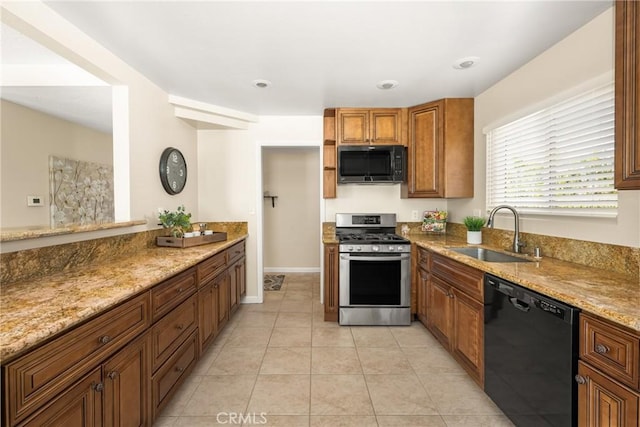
x=173, y=170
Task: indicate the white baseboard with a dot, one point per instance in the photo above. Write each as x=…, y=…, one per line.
x=291, y=269
x=251, y=300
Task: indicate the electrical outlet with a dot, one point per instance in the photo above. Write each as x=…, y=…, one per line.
x=414, y=215
x=35, y=201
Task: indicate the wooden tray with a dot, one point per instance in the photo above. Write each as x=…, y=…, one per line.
x=186, y=242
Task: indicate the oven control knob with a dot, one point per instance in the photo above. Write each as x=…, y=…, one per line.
x=399, y=248
x=375, y=248
x=350, y=248
x=391, y=248
x=358, y=248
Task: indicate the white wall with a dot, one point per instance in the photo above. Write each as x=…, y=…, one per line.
x=378, y=198
x=152, y=125
x=230, y=178
x=293, y=220
x=29, y=137
x=584, y=55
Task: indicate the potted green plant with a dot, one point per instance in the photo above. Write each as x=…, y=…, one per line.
x=474, y=226
x=176, y=222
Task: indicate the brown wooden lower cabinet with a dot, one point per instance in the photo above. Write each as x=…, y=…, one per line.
x=331, y=285
x=604, y=402
x=237, y=279
x=127, y=385
x=223, y=285
x=78, y=406
x=421, y=294
x=208, y=314
x=122, y=367
x=173, y=373
x=454, y=316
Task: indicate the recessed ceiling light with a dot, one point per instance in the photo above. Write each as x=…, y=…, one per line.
x=467, y=62
x=387, y=84
x=262, y=83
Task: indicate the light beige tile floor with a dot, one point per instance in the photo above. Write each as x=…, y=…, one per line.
x=280, y=364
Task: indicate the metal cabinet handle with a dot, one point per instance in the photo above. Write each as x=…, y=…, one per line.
x=601, y=349
x=112, y=375
x=580, y=379
x=179, y=290
x=104, y=339
x=179, y=369
x=98, y=387
x=180, y=327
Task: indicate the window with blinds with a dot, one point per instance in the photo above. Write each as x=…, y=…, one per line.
x=557, y=161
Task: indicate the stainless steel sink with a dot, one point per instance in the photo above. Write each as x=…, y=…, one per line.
x=488, y=255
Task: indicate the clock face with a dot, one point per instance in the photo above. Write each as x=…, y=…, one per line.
x=173, y=170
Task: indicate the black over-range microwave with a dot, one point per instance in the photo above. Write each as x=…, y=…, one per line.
x=371, y=164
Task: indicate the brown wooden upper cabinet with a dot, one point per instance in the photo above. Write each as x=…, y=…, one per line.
x=370, y=126
x=440, y=149
x=627, y=162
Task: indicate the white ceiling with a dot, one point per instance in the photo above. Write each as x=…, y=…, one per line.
x=321, y=54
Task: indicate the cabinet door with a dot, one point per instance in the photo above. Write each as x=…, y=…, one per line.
x=467, y=339
x=627, y=68
x=238, y=274
x=439, y=310
x=603, y=402
x=353, y=126
x=233, y=290
x=425, y=149
x=78, y=406
x=331, y=290
x=221, y=283
x=127, y=385
x=241, y=277
x=208, y=314
x=385, y=126
x=422, y=285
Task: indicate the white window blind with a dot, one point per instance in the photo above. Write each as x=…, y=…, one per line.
x=558, y=160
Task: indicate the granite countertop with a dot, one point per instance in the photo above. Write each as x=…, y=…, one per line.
x=613, y=296
x=32, y=312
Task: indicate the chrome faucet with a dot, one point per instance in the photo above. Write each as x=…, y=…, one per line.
x=517, y=244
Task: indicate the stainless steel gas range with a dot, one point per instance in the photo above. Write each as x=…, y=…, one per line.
x=374, y=275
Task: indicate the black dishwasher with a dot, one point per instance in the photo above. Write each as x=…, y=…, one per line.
x=530, y=355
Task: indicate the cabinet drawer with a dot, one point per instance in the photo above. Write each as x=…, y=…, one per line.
x=210, y=268
x=459, y=275
x=423, y=259
x=235, y=252
x=610, y=349
x=45, y=372
x=173, y=329
x=173, y=373
x=170, y=293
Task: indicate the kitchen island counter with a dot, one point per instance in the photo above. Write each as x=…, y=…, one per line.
x=33, y=311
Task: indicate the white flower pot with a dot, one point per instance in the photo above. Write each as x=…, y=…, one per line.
x=474, y=237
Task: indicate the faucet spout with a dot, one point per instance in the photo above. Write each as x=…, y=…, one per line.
x=517, y=244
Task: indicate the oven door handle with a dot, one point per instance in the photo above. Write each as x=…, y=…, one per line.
x=400, y=257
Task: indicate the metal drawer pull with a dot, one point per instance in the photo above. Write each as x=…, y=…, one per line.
x=179, y=369
x=580, y=379
x=180, y=327
x=104, y=339
x=98, y=387
x=601, y=349
x=112, y=375
x=179, y=289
